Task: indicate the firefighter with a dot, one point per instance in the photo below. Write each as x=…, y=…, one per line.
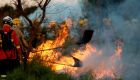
x=23, y=43
x=10, y=51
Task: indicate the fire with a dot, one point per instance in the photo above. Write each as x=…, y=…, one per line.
x=48, y=50
x=119, y=46
x=108, y=68
x=64, y=65
x=50, y=53
x=103, y=72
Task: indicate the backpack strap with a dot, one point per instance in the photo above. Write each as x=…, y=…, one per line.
x=9, y=35
x=0, y=39
x=10, y=32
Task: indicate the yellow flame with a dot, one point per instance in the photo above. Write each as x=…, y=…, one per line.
x=51, y=54
x=65, y=63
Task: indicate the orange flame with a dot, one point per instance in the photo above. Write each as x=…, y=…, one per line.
x=51, y=54
x=64, y=64
x=102, y=72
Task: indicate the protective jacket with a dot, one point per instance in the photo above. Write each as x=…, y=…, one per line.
x=15, y=51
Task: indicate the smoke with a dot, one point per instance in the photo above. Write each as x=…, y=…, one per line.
x=126, y=21
x=110, y=22
x=118, y=21
x=59, y=10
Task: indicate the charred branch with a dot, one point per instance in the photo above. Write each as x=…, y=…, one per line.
x=21, y=11
x=43, y=8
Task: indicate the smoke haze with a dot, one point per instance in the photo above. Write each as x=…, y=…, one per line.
x=110, y=23
x=125, y=24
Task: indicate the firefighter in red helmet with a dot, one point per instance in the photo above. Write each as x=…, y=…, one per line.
x=10, y=52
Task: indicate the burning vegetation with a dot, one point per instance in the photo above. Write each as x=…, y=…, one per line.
x=71, y=48
x=75, y=62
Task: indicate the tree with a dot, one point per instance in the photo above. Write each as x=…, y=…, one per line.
x=10, y=11
x=5, y=10
x=35, y=26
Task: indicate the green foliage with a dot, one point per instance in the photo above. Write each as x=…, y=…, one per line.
x=87, y=76
x=35, y=70
x=119, y=79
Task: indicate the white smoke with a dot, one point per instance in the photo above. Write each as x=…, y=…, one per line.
x=59, y=10
x=125, y=19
